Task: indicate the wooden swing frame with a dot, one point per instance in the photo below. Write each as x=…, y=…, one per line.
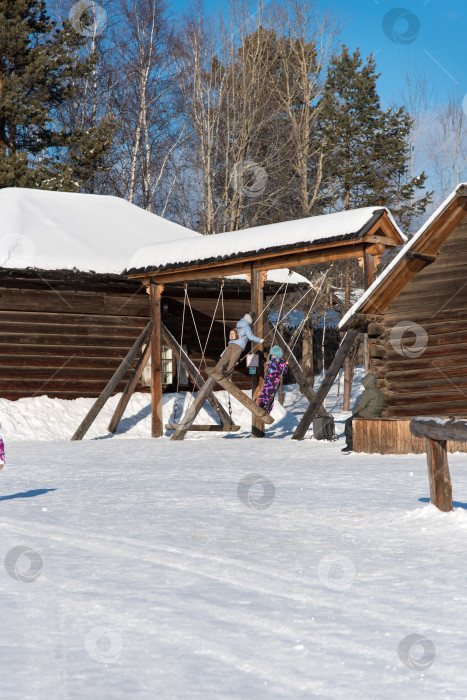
x=373, y=240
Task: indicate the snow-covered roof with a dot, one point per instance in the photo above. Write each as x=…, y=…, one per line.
x=282, y=276
x=66, y=231
x=408, y=246
x=287, y=234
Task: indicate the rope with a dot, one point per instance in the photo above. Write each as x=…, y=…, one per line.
x=203, y=350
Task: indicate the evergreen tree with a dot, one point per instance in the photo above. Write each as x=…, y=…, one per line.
x=38, y=71
x=367, y=147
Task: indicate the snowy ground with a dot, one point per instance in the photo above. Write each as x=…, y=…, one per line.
x=152, y=569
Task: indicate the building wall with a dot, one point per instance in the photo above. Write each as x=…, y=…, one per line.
x=65, y=337
x=64, y=334
x=423, y=371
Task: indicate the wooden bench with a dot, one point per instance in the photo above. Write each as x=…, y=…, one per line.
x=391, y=436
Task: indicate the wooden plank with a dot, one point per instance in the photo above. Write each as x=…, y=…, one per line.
x=294, y=367
x=438, y=474
x=206, y=428
x=192, y=371
x=73, y=302
x=117, y=377
x=70, y=319
x=129, y=389
x=63, y=340
x=245, y=400
x=157, y=421
x=326, y=384
x=194, y=409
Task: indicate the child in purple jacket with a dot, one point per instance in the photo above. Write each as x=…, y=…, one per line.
x=276, y=367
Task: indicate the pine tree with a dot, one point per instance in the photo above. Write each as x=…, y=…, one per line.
x=367, y=147
x=38, y=71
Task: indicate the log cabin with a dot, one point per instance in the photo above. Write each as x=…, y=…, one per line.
x=68, y=315
x=415, y=315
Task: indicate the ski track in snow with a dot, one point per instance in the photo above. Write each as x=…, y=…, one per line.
x=203, y=597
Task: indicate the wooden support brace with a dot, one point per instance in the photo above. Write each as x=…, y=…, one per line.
x=331, y=374
x=194, y=374
x=194, y=409
x=245, y=400
x=112, y=384
x=129, y=389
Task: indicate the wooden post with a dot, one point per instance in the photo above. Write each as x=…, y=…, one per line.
x=257, y=305
x=157, y=423
x=112, y=384
x=438, y=474
x=331, y=374
x=436, y=432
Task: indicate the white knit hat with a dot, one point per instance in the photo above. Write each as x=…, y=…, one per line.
x=248, y=318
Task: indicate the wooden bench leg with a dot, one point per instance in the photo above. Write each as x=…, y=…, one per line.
x=438, y=474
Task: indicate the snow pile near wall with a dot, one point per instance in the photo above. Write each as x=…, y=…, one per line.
x=41, y=418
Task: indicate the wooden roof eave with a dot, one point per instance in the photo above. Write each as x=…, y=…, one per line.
x=427, y=245
x=381, y=232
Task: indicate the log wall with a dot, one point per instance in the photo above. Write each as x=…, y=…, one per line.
x=428, y=376
x=64, y=334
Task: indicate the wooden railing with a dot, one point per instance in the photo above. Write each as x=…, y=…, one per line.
x=437, y=431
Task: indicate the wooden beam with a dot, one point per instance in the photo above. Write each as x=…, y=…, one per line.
x=326, y=384
x=361, y=321
x=295, y=367
x=261, y=261
x=413, y=255
x=194, y=409
x=129, y=389
x=206, y=428
x=437, y=429
x=112, y=384
x=245, y=400
x=157, y=419
x=257, y=305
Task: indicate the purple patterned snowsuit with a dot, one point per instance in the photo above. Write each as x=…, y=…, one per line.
x=274, y=371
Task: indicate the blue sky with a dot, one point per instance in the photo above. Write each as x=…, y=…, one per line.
x=435, y=32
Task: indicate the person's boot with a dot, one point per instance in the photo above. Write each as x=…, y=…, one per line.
x=347, y=448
